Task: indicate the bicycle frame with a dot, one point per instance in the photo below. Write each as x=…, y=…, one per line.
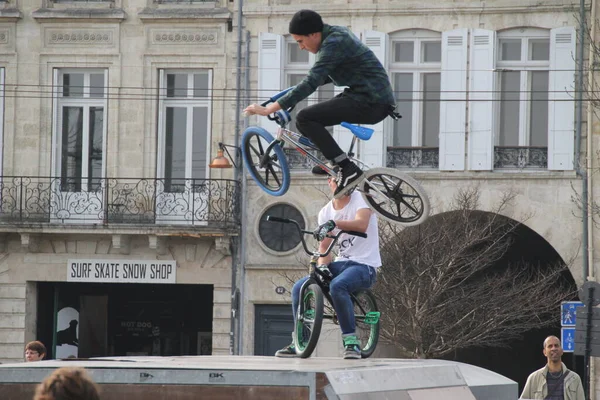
x=295, y=140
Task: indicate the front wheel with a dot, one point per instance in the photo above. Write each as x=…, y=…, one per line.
x=266, y=164
x=366, y=316
x=308, y=320
x=395, y=196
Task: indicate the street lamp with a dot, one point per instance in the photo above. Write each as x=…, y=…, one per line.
x=220, y=161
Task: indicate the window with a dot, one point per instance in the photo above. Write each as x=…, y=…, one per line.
x=277, y=236
x=297, y=64
x=524, y=62
x=415, y=68
x=81, y=128
x=185, y=98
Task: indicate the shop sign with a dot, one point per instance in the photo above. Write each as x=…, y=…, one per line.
x=122, y=271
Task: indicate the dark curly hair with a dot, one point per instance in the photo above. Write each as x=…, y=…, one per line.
x=67, y=384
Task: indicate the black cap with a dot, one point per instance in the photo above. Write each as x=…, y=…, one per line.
x=305, y=22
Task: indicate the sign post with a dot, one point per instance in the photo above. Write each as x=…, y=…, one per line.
x=568, y=317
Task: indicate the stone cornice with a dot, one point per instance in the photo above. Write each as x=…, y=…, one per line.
x=357, y=9
x=157, y=14
x=10, y=14
x=49, y=14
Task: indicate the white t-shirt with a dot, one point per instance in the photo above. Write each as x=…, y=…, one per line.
x=350, y=247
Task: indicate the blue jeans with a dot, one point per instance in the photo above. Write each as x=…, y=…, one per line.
x=348, y=277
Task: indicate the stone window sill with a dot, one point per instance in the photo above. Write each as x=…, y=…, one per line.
x=114, y=14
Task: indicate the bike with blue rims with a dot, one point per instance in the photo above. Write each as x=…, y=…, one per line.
x=391, y=194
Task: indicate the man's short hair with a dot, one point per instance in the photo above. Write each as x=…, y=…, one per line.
x=551, y=337
x=305, y=22
x=36, y=345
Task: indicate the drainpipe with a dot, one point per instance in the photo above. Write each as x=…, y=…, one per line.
x=590, y=166
x=242, y=305
x=236, y=172
x=579, y=119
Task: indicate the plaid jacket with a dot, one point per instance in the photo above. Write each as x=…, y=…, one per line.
x=344, y=60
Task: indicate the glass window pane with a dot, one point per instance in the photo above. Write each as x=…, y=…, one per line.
x=509, y=108
x=201, y=85
x=538, y=120
x=539, y=50
x=404, y=51
x=96, y=85
x=295, y=55
x=294, y=79
x=71, y=149
x=175, y=136
x=177, y=85
x=73, y=85
x=403, y=88
x=431, y=110
x=432, y=52
x=200, y=132
x=510, y=50
x=96, y=122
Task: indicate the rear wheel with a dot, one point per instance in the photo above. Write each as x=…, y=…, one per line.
x=309, y=320
x=266, y=165
x=395, y=196
x=366, y=316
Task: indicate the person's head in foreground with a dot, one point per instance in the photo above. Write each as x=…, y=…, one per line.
x=67, y=384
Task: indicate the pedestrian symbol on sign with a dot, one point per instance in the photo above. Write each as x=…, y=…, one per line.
x=568, y=311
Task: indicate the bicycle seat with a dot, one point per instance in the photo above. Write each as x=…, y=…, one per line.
x=360, y=131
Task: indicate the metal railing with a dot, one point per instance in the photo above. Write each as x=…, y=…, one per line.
x=413, y=157
x=208, y=202
x=520, y=157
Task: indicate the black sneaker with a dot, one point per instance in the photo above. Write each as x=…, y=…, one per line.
x=317, y=170
x=347, y=179
x=287, y=351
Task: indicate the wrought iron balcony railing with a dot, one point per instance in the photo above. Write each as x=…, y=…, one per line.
x=520, y=157
x=297, y=161
x=413, y=157
x=204, y=202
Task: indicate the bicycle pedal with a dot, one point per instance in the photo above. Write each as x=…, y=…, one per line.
x=372, y=317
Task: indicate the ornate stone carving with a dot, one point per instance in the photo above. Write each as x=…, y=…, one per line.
x=79, y=36
x=188, y=37
x=4, y=35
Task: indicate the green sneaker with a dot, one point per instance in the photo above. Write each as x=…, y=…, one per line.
x=352, y=348
x=287, y=351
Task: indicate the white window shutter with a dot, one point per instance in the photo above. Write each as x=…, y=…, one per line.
x=481, y=100
x=561, y=95
x=270, y=68
x=453, y=100
x=372, y=152
x=57, y=146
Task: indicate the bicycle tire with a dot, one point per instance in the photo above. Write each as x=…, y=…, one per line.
x=274, y=178
x=367, y=334
x=402, y=193
x=306, y=334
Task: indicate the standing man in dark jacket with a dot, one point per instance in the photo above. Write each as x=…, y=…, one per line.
x=345, y=61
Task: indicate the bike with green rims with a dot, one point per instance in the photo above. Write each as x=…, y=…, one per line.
x=311, y=310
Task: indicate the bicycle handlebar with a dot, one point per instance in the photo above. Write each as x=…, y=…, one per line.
x=303, y=232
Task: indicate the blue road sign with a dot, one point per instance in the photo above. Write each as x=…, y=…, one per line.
x=567, y=338
x=568, y=310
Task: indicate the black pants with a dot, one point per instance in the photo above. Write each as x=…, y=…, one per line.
x=312, y=120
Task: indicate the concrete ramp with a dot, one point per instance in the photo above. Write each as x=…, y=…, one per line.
x=269, y=378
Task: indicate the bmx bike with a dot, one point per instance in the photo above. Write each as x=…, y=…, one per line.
x=393, y=195
x=311, y=308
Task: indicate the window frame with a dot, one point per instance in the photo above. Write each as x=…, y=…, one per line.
x=525, y=67
x=188, y=102
x=418, y=68
x=86, y=102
